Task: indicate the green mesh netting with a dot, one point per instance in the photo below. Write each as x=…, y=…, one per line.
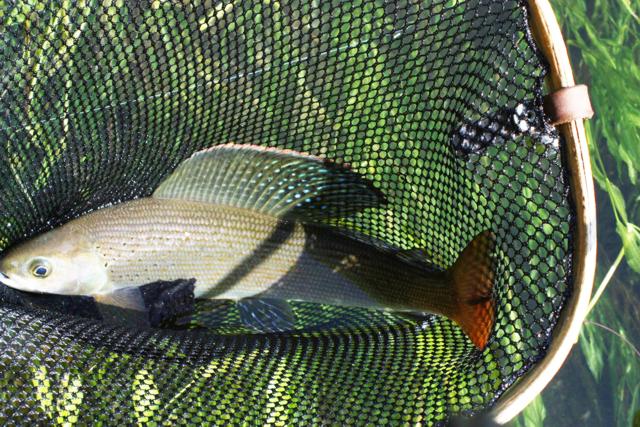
x=437, y=102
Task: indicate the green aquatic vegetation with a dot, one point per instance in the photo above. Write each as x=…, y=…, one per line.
x=613, y=358
x=604, y=41
x=606, y=37
x=534, y=415
x=56, y=30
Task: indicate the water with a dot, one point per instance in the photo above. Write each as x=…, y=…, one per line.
x=590, y=387
x=599, y=384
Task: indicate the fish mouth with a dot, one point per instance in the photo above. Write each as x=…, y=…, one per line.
x=5, y=280
x=11, y=283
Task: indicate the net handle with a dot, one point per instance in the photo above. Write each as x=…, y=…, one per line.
x=548, y=37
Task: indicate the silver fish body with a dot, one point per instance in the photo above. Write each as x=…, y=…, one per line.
x=247, y=222
x=234, y=253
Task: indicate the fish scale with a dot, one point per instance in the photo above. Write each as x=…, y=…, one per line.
x=149, y=240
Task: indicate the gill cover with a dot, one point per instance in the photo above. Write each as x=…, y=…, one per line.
x=72, y=265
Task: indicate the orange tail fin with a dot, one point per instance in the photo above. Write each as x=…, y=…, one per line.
x=472, y=279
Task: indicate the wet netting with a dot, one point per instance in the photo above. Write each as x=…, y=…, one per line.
x=438, y=103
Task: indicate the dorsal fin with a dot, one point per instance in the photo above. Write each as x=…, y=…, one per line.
x=277, y=182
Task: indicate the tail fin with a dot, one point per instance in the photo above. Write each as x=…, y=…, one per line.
x=472, y=279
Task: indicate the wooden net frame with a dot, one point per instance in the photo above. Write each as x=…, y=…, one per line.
x=546, y=32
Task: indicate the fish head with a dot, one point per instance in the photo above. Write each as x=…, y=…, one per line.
x=62, y=261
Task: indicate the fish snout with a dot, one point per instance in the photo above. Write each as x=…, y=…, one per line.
x=3, y=277
x=6, y=280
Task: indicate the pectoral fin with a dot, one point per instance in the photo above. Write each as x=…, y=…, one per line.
x=154, y=304
x=277, y=182
x=123, y=307
x=266, y=315
x=129, y=298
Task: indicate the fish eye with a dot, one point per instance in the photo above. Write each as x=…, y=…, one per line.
x=40, y=268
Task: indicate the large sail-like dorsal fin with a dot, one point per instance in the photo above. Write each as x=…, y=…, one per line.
x=276, y=182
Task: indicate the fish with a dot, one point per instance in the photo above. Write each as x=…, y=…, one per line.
x=252, y=224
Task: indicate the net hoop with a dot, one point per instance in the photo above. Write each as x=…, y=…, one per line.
x=548, y=37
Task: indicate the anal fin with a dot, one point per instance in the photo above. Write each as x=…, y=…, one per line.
x=266, y=315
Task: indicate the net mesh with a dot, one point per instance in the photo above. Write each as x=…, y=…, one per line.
x=437, y=102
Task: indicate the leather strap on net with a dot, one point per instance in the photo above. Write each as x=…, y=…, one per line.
x=568, y=104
